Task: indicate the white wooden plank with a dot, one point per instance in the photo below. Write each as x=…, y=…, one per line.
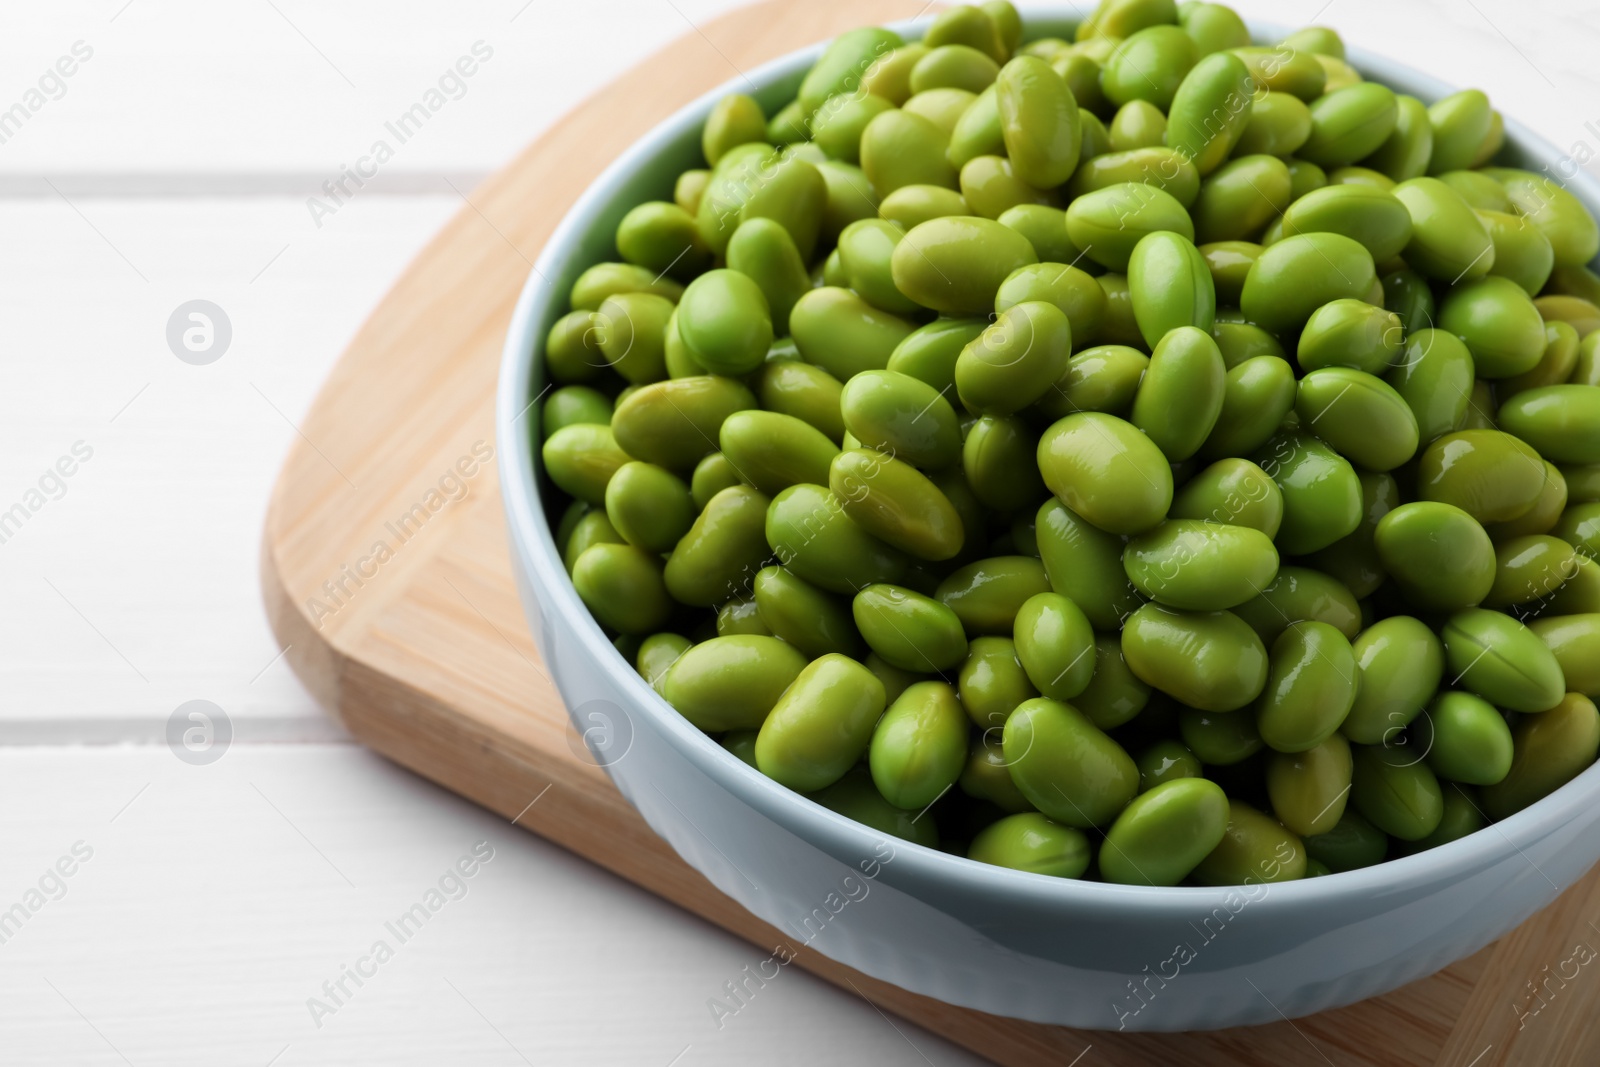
x=218, y=899
x=185, y=86
x=137, y=589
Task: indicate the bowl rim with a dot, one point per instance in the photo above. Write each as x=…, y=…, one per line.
x=533, y=542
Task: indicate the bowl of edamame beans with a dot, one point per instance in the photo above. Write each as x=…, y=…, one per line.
x=1090, y=520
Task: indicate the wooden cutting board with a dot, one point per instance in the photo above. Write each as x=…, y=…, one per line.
x=386, y=575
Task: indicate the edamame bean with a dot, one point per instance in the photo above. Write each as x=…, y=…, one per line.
x=1210, y=111
x=1013, y=362
x=1548, y=751
x=1181, y=395
x=1448, y=243
x=1350, y=124
x=909, y=630
x=899, y=148
x=1066, y=767
x=740, y=617
x=1254, y=849
x=987, y=776
x=1359, y=415
x=1166, y=761
x=1529, y=568
x=1241, y=197
x=809, y=393
x=998, y=460
x=1283, y=69
x=856, y=797
x=1572, y=231
x=1108, y=223
x=772, y=451
x=1309, y=789
x=1163, y=834
x=902, y=416
x=621, y=586
x=919, y=747
x=731, y=683
x=1208, y=660
x=1029, y=841
x=1406, y=294
x=1055, y=644
x=821, y=724
x=804, y=615
x=843, y=334
x=1439, y=555
x=573, y=404
x=674, y=423
x=910, y=205
x=1401, y=663
x=1045, y=229
x=1574, y=640
x=992, y=682
x=1373, y=217
x=591, y=528
x=1137, y=124
x=1278, y=125
x=649, y=506
x=895, y=503
x=1105, y=470
x=1103, y=378
x=811, y=535
x=1232, y=491
x=956, y=265
x=1408, y=150
x=991, y=188
x=1465, y=739
x=1501, y=660
x=581, y=459
x=1257, y=394
x=1501, y=327
x=1396, y=791
x=1561, y=421
x=986, y=595
x=1084, y=563
x=662, y=237
x=1492, y=476
x=605, y=280
x=929, y=353
x=1300, y=594
x=1038, y=122
x=1321, y=493
x=1352, y=844
x=1299, y=274
x=1170, y=285
x=1350, y=333
x=1311, y=685
x=1434, y=376
x=1074, y=291
x=1150, y=65
x=1201, y=565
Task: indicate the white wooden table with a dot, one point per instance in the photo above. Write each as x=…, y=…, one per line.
x=207, y=906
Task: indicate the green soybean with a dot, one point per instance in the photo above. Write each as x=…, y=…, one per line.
x=909, y=630
x=1311, y=685
x=1067, y=768
x=1164, y=833
x=821, y=724
x=919, y=747
x=1501, y=660
x=731, y=683
x=1029, y=841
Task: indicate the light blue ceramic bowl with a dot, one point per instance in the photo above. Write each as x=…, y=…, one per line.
x=1050, y=950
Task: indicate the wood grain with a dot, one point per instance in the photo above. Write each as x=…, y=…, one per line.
x=426, y=657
